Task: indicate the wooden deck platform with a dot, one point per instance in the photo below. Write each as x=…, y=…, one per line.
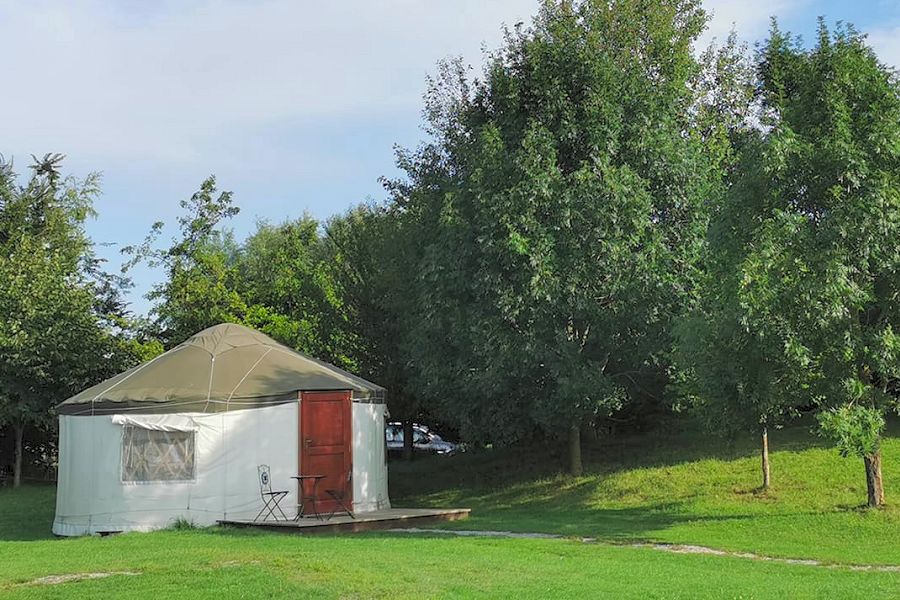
x=379, y=519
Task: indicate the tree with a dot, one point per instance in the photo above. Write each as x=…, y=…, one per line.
x=372, y=259
x=564, y=205
x=276, y=281
x=732, y=371
x=286, y=275
x=54, y=335
x=199, y=264
x=818, y=279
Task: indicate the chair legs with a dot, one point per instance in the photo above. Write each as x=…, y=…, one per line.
x=303, y=508
x=270, y=505
x=338, y=498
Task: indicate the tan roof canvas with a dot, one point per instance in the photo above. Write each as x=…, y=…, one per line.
x=225, y=367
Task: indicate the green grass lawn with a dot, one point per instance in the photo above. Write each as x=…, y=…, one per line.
x=216, y=563
x=678, y=489
x=675, y=489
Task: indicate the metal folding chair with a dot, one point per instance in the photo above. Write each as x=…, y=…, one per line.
x=269, y=497
x=340, y=498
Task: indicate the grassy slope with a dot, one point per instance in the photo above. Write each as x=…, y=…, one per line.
x=676, y=489
x=666, y=490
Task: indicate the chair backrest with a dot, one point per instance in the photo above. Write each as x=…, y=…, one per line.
x=345, y=485
x=265, y=480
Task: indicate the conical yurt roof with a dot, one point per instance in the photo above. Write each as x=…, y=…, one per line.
x=224, y=367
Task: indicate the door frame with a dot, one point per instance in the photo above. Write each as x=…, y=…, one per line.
x=348, y=441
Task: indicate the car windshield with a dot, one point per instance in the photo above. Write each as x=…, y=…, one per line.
x=394, y=434
x=421, y=435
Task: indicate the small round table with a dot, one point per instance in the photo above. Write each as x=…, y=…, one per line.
x=308, y=498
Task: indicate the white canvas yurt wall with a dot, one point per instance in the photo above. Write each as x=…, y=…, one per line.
x=370, y=481
x=92, y=498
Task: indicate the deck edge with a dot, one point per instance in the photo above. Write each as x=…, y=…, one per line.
x=352, y=526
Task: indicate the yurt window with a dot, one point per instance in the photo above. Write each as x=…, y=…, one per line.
x=150, y=455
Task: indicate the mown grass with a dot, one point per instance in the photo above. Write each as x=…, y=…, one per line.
x=679, y=489
x=228, y=564
x=665, y=488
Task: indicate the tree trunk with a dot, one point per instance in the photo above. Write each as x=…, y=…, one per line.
x=408, y=439
x=874, y=484
x=575, y=467
x=19, y=429
x=766, y=475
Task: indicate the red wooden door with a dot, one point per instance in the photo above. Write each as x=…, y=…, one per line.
x=325, y=445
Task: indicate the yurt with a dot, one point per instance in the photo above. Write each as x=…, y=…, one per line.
x=187, y=434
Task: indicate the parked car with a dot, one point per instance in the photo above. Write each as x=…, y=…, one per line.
x=424, y=440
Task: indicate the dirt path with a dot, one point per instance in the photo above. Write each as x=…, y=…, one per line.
x=57, y=579
x=672, y=548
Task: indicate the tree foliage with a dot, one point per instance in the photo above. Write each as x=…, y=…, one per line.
x=286, y=276
x=803, y=256
x=373, y=259
x=198, y=289
x=855, y=429
x=57, y=334
x=563, y=200
x=278, y=280
x=733, y=373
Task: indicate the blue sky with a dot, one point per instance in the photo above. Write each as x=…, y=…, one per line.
x=294, y=106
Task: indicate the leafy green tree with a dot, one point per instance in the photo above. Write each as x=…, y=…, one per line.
x=727, y=113
x=277, y=280
x=815, y=214
x=734, y=371
x=285, y=273
x=199, y=288
x=373, y=261
x=733, y=374
x=564, y=203
x=55, y=336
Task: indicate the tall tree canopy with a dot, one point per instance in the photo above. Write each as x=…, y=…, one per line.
x=736, y=377
x=278, y=280
x=564, y=198
x=807, y=244
x=373, y=262
x=60, y=331
x=287, y=277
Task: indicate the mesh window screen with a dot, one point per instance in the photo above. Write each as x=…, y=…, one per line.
x=150, y=455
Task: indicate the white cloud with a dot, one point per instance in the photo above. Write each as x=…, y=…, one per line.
x=88, y=80
x=750, y=18
x=886, y=43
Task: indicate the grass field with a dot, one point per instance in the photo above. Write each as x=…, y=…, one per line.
x=679, y=489
x=671, y=489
